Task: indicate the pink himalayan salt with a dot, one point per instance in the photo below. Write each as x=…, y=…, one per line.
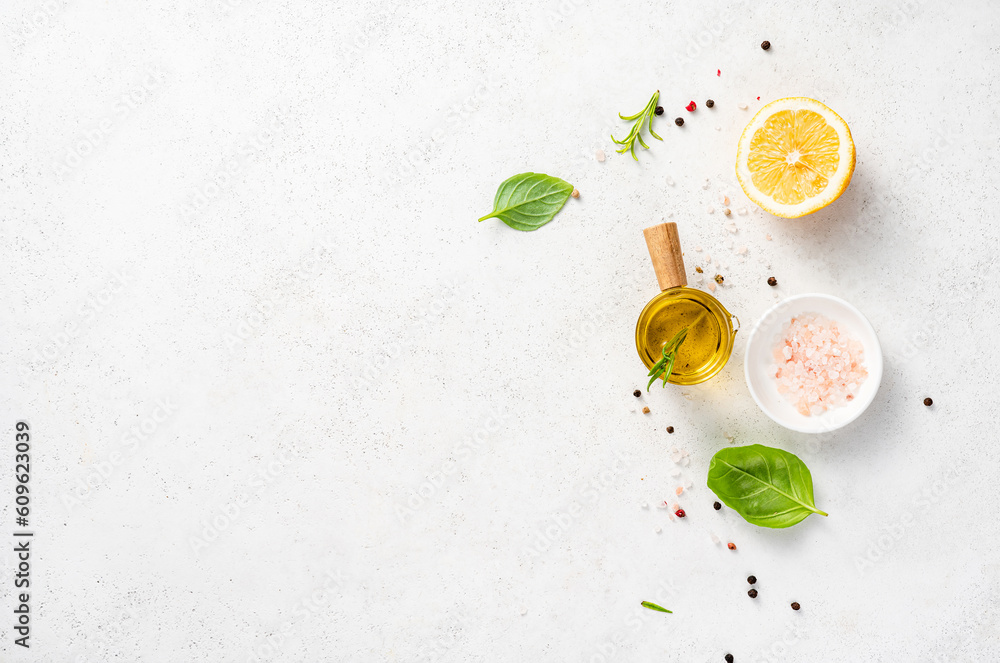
x=819, y=366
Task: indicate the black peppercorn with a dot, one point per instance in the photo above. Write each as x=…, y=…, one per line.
x=752, y=593
x=795, y=605
x=659, y=110
x=752, y=580
x=637, y=393
x=679, y=121
x=717, y=506
x=710, y=103
x=729, y=658
x=765, y=44
x=670, y=429
x=772, y=281
x=928, y=402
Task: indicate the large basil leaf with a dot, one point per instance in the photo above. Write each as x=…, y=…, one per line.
x=528, y=201
x=768, y=487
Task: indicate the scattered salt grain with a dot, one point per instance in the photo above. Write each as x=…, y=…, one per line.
x=742, y=250
x=716, y=540
x=600, y=155
x=742, y=211
x=768, y=237
x=818, y=366
x=675, y=473
x=662, y=505
x=718, y=128
x=698, y=249
x=670, y=180
x=524, y=610
x=743, y=106
x=711, y=286
x=658, y=529
x=644, y=505
x=710, y=209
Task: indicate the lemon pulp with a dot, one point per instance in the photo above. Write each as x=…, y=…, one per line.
x=793, y=156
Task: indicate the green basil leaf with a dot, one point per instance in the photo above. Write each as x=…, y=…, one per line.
x=768, y=487
x=528, y=201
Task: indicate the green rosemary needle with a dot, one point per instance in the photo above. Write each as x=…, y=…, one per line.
x=664, y=367
x=653, y=606
x=645, y=115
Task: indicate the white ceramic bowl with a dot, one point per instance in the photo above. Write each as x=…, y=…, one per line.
x=760, y=358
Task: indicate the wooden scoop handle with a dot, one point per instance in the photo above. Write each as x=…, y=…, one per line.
x=665, y=251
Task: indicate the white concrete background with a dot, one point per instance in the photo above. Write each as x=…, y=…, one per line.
x=288, y=193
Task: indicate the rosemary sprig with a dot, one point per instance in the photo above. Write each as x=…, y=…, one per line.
x=653, y=606
x=664, y=367
x=645, y=115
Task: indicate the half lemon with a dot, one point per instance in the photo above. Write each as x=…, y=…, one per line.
x=795, y=157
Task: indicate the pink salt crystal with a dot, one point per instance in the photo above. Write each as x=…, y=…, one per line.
x=680, y=489
x=711, y=286
x=818, y=366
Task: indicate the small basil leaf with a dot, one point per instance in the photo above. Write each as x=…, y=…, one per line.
x=528, y=201
x=768, y=487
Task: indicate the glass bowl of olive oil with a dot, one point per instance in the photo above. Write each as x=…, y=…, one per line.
x=708, y=343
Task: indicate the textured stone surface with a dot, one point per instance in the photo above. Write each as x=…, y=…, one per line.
x=370, y=428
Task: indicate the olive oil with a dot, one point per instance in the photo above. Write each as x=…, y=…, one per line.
x=709, y=341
